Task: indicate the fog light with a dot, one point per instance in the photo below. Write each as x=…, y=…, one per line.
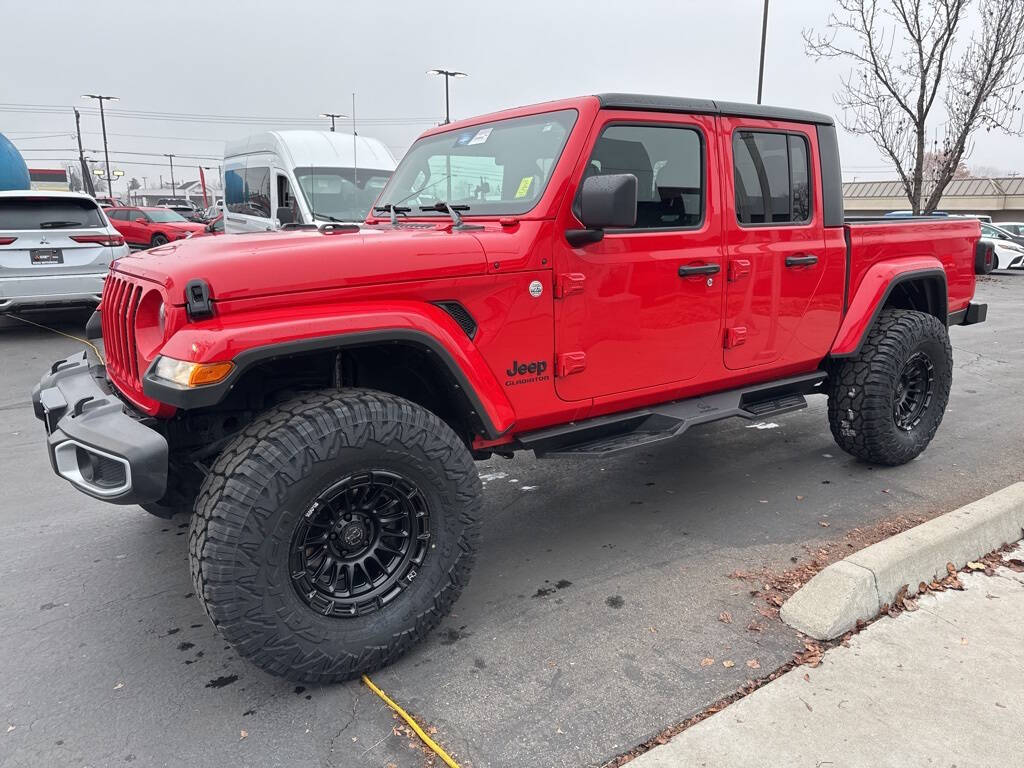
x=191, y=374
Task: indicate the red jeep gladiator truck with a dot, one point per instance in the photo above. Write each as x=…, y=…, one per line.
x=574, y=278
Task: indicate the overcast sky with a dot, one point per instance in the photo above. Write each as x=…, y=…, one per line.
x=299, y=58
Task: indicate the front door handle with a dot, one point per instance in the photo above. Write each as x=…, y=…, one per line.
x=699, y=269
x=804, y=260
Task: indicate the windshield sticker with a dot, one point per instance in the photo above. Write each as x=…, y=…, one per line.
x=524, y=186
x=481, y=136
x=463, y=139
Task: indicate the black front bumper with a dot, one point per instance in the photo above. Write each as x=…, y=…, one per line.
x=95, y=441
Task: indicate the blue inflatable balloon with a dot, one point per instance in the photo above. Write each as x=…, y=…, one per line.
x=13, y=171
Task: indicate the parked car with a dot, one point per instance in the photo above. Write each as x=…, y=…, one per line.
x=109, y=202
x=302, y=177
x=55, y=249
x=1007, y=255
x=150, y=227
x=566, y=278
x=1015, y=228
x=997, y=232
x=183, y=206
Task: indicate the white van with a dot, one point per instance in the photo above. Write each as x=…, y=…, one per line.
x=302, y=177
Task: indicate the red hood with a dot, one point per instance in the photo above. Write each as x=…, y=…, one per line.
x=245, y=266
x=183, y=226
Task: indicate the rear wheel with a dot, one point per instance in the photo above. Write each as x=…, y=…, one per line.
x=334, y=533
x=886, y=402
x=158, y=240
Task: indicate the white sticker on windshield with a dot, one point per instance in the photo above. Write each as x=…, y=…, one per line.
x=481, y=136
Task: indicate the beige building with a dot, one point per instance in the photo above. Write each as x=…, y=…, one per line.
x=1001, y=198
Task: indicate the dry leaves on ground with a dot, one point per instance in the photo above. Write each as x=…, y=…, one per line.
x=707, y=661
x=725, y=617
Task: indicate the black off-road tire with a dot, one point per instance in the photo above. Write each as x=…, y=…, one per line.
x=259, y=492
x=866, y=388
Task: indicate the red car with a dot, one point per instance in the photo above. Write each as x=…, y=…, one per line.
x=150, y=227
x=575, y=279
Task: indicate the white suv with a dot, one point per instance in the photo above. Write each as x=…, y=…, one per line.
x=55, y=249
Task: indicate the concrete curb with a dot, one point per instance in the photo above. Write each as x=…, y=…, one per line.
x=855, y=588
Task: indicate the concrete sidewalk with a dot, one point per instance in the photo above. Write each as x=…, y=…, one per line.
x=942, y=686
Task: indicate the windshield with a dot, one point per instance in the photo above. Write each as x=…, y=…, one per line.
x=342, y=194
x=165, y=215
x=496, y=169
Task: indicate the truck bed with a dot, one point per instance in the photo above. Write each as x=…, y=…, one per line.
x=949, y=241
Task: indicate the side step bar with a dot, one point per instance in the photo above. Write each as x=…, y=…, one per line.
x=606, y=435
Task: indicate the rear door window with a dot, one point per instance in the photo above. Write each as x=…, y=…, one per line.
x=771, y=177
x=48, y=213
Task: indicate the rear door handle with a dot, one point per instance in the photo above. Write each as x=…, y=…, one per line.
x=801, y=261
x=699, y=269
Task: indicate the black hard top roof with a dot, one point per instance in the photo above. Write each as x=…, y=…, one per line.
x=648, y=103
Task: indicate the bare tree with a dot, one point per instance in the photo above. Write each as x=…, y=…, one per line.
x=903, y=55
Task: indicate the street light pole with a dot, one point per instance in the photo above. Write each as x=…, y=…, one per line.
x=764, y=36
x=174, y=190
x=103, y=122
x=447, y=74
x=332, y=116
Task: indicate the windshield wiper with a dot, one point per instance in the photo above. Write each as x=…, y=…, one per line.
x=330, y=218
x=393, y=209
x=59, y=224
x=441, y=206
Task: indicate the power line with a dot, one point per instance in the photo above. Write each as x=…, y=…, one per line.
x=136, y=114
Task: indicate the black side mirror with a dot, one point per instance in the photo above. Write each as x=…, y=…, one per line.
x=285, y=215
x=605, y=202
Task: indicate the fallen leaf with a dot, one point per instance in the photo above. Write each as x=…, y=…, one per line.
x=950, y=569
x=725, y=617
x=707, y=661
x=119, y=686
x=243, y=735
x=799, y=498
x=885, y=490
x=755, y=626
x=807, y=678
x=753, y=664
x=975, y=566
x=11, y=728
x=432, y=730
x=963, y=641
x=728, y=663
x=823, y=524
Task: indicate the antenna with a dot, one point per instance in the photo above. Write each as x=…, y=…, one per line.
x=355, y=165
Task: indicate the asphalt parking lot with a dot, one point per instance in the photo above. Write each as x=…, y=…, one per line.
x=596, y=593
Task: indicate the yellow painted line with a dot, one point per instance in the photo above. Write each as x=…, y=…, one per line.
x=412, y=724
x=60, y=333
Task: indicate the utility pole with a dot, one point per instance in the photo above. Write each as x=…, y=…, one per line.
x=355, y=165
x=103, y=122
x=331, y=115
x=174, y=191
x=764, y=36
x=87, y=186
x=448, y=75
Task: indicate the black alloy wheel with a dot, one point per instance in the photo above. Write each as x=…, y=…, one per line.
x=913, y=391
x=360, y=544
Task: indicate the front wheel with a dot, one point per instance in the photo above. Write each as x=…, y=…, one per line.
x=334, y=533
x=158, y=240
x=886, y=402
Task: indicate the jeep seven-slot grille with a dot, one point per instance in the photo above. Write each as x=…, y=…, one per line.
x=121, y=300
